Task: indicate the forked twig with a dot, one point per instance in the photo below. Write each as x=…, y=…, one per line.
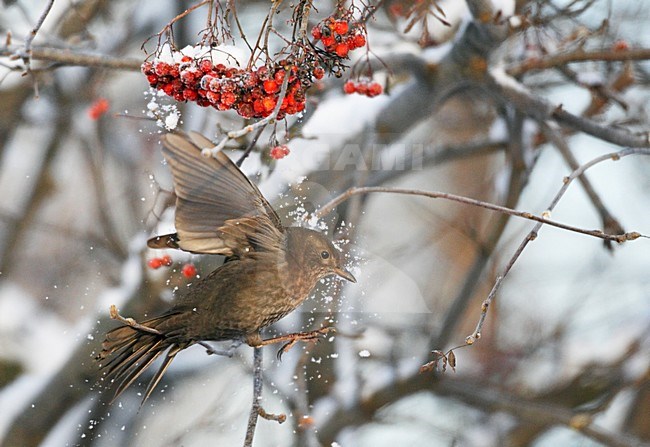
x=485, y=305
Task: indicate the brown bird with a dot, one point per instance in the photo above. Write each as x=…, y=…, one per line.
x=269, y=270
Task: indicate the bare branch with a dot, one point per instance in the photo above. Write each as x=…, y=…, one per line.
x=541, y=109
x=556, y=60
x=69, y=57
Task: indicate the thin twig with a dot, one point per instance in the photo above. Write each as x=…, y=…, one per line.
x=533, y=233
x=257, y=395
x=250, y=147
x=328, y=207
x=67, y=57
x=30, y=38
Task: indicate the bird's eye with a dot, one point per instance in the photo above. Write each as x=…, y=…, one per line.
x=324, y=254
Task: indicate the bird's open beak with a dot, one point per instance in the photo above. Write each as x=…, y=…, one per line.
x=343, y=273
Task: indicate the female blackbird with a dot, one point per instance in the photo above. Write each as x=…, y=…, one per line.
x=269, y=270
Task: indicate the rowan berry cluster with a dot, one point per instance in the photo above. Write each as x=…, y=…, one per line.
x=188, y=270
x=339, y=36
x=251, y=93
x=370, y=89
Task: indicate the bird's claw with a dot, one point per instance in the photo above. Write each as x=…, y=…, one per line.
x=301, y=336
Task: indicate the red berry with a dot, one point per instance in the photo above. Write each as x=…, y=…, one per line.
x=279, y=76
x=279, y=152
x=228, y=98
x=168, y=89
x=190, y=95
x=621, y=45
x=213, y=97
x=271, y=86
x=245, y=109
x=155, y=263
x=349, y=87
x=359, y=40
x=166, y=260
x=362, y=88
x=396, y=9
x=147, y=68
x=374, y=89
x=263, y=72
x=152, y=79
x=319, y=72
x=342, y=49
x=258, y=106
x=162, y=69
x=340, y=27
x=268, y=103
x=189, y=271
x=98, y=108
x=316, y=32
x=205, y=65
x=329, y=42
x=251, y=80
x=186, y=59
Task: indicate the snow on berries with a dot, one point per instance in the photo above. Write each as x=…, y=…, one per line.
x=339, y=36
x=279, y=152
x=370, y=89
x=200, y=77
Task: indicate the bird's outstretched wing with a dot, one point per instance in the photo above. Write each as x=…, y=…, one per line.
x=218, y=209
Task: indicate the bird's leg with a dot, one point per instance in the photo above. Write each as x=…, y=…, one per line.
x=225, y=352
x=131, y=322
x=291, y=339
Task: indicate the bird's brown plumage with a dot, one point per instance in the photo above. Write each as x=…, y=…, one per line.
x=270, y=270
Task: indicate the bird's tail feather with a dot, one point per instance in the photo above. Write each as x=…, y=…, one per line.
x=127, y=352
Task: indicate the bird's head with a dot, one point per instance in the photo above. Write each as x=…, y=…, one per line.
x=316, y=253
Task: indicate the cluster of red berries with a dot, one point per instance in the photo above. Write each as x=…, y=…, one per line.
x=339, y=36
x=371, y=89
x=188, y=270
x=251, y=93
x=279, y=152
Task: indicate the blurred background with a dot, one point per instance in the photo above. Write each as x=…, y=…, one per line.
x=471, y=90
